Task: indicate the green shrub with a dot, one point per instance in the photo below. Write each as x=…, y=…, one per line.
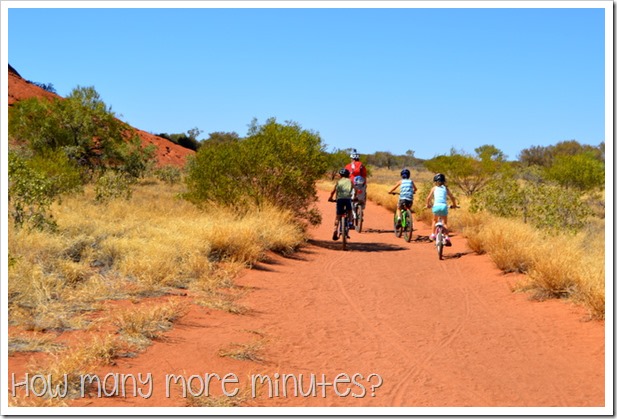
x=544, y=205
x=276, y=164
x=581, y=171
x=35, y=183
x=82, y=127
x=168, y=174
x=112, y=185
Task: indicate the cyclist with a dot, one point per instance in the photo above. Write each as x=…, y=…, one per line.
x=408, y=189
x=355, y=167
x=359, y=190
x=440, y=194
x=342, y=189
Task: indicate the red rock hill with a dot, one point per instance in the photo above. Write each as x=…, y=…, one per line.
x=168, y=153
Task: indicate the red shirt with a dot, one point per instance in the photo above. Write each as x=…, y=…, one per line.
x=356, y=168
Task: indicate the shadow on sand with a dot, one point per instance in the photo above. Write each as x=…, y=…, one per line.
x=362, y=247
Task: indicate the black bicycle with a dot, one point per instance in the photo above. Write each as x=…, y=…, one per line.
x=343, y=228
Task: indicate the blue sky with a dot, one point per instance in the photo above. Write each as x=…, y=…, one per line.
x=376, y=79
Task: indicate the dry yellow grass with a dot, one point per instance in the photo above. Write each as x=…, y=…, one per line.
x=134, y=249
x=64, y=373
x=556, y=265
x=139, y=326
x=244, y=351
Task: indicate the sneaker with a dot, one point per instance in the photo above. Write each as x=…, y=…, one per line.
x=448, y=242
x=432, y=237
x=335, y=235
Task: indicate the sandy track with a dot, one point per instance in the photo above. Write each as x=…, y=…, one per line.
x=438, y=333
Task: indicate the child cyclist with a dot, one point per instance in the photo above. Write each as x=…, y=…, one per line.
x=358, y=193
x=440, y=193
x=343, y=190
x=408, y=189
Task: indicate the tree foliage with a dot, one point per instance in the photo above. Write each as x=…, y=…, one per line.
x=63, y=143
x=469, y=173
x=545, y=156
x=220, y=137
x=187, y=140
x=36, y=182
x=276, y=164
x=83, y=128
x=581, y=171
x=542, y=204
x=336, y=160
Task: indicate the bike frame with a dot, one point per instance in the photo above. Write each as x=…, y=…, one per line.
x=406, y=220
x=343, y=228
x=355, y=205
x=439, y=237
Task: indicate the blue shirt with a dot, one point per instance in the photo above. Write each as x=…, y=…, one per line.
x=406, y=189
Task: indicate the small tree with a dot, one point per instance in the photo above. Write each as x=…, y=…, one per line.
x=84, y=129
x=35, y=183
x=337, y=160
x=467, y=172
x=276, y=163
x=581, y=171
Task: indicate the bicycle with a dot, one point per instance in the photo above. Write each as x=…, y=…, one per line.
x=405, y=227
x=357, y=210
x=343, y=228
x=440, y=237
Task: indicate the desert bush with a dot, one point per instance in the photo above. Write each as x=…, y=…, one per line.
x=168, y=174
x=545, y=206
x=276, y=164
x=35, y=183
x=112, y=185
x=82, y=127
x=581, y=171
x=470, y=173
x=49, y=87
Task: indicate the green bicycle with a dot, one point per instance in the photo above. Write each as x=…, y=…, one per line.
x=404, y=227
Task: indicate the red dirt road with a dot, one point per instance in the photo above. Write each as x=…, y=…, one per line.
x=437, y=333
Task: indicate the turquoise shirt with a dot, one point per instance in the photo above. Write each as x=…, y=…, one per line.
x=441, y=195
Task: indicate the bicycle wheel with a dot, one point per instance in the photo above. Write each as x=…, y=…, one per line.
x=344, y=229
x=407, y=225
x=398, y=229
x=359, y=218
x=439, y=244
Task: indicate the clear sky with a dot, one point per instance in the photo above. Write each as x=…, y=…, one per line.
x=376, y=78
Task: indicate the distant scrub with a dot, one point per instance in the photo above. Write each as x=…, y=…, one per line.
x=544, y=205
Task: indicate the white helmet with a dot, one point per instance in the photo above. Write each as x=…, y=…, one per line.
x=354, y=154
